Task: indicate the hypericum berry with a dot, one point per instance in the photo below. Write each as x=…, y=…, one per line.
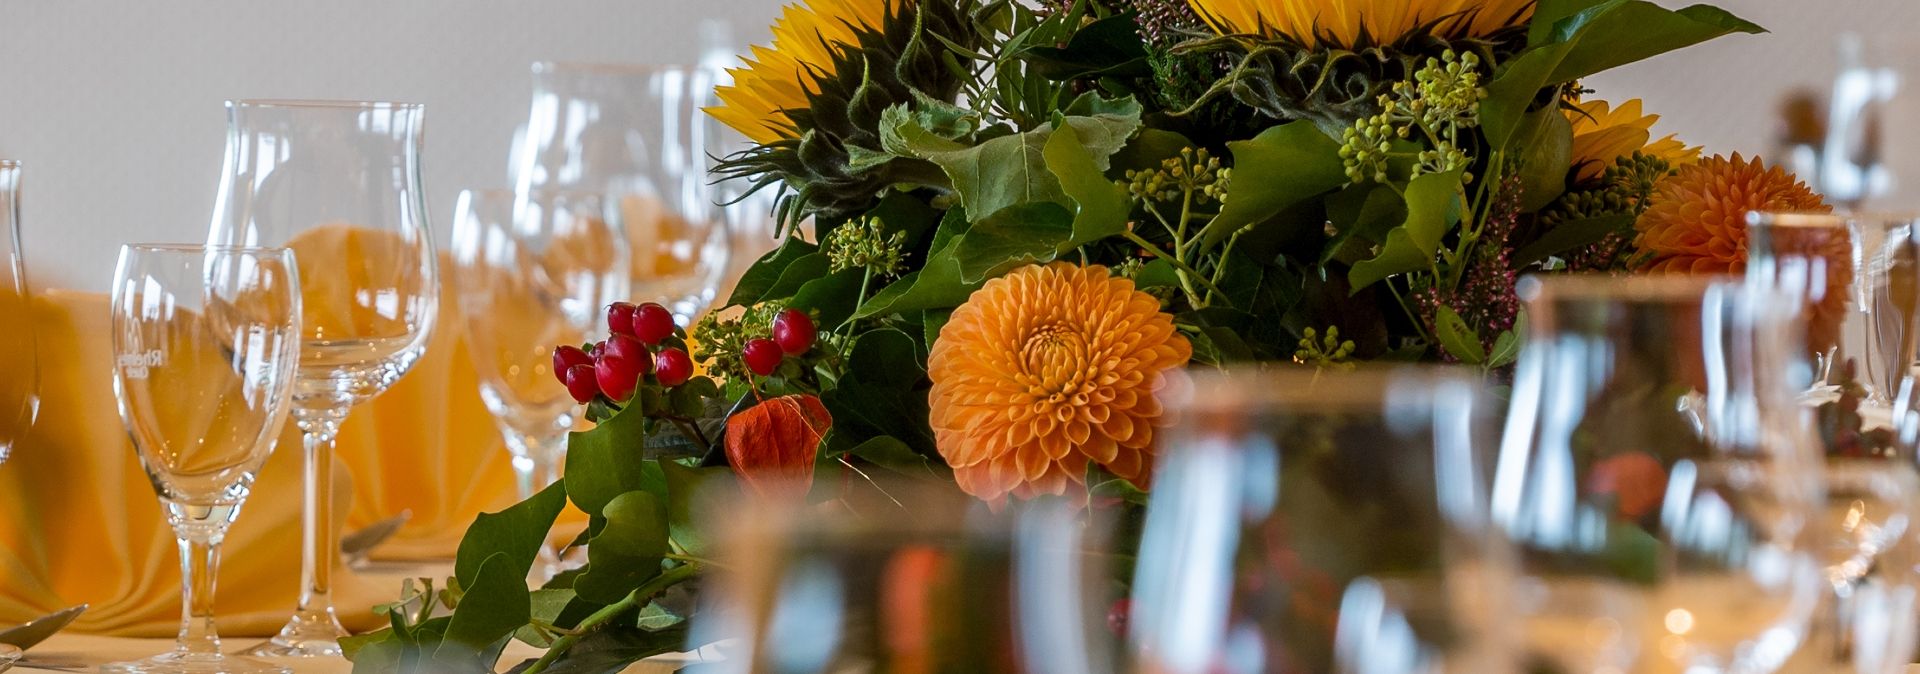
x=581, y=383
x=617, y=376
x=594, y=351
x=793, y=331
x=565, y=357
x=652, y=323
x=620, y=318
x=629, y=349
x=762, y=355
x=672, y=367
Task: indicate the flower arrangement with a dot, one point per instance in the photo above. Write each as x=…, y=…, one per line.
x=1007, y=229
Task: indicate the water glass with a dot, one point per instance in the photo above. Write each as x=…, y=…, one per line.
x=19, y=388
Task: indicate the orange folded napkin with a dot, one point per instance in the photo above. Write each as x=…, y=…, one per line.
x=80, y=523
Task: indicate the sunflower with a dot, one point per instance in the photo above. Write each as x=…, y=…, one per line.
x=1045, y=370
x=1696, y=220
x=1347, y=24
x=778, y=78
x=1603, y=133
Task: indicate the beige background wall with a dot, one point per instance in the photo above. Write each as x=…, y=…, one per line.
x=115, y=105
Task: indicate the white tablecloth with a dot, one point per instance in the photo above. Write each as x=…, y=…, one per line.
x=68, y=652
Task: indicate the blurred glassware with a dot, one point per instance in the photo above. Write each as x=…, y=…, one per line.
x=19, y=390
x=1320, y=521
x=1869, y=160
x=941, y=584
x=638, y=135
x=1661, y=487
x=206, y=344
x=532, y=274
x=338, y=182
x=1809, y=258
x=1887, y=291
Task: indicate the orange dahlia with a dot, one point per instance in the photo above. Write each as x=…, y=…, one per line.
x=1603, y=133
x=1046, y=369
x=1696, y=220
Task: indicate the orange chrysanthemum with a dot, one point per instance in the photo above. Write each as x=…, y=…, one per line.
x=1696, y=220
x=1046, y=369
x=1603, y=133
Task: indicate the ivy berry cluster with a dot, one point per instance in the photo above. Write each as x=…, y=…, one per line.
x=644, y=341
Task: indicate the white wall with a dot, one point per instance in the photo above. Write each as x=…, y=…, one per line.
x=115, y=105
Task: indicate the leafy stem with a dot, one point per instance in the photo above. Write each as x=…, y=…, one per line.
x=1186, y=273
x=638, y=597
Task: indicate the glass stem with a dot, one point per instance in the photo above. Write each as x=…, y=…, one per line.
x=199, y=562
x=317, y=541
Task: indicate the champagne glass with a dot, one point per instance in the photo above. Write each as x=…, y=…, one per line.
x=19, y=390
x=533, y=274
x=1322, y=521
x=1887, y=255
x=919, y=579
x=1655, y=477
x=638, y=135
x=339, y=182
x=206, y=343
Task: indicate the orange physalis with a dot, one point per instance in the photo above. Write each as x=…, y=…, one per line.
x=771, y=445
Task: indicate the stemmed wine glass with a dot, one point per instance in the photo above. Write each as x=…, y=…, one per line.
x=206, y=342
x=1655, y=476
x=638, y=135
x=338, y=182
x=532, y=274
x=20, y=388
x=1322, y=521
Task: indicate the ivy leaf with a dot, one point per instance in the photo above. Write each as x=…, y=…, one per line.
x=1024, y=233
x=517, y=532
x=1000, y=173
x=766, y=271
x=1109, y=47
x=627, y=551
x=605, y=462
x=938, y=285
x=1102, y=124
x=830, y=298
x=493, y=606
x=883, y=392
x=1101, y=207
x=1282, y=166
x=1366, y=212
x=1570, y=235
x=890, y=453
x=1457, y=337
x=1433, y=207
x=686, y=488
x=803, y=270
x=614, y=648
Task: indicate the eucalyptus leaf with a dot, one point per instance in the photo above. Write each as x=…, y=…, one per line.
x=1282, y=166
x=1433, y=208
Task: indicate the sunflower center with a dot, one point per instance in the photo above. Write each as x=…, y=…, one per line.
x=1056, y=357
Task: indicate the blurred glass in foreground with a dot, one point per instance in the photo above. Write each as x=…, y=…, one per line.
x=1321, y=521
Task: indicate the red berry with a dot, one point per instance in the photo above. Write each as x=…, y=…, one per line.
x=793, y=330
x=652, y=323
x=762, y=356
x=620, y=318
x=1119, y=615
x=672, y=367
x=565, y=357
x=597, y=347
x=629, y=349
x=581, y=384
x=617, y=376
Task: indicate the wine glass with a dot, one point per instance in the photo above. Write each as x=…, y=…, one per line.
x=916, y=578
x=533, y=274
x=1887, y=255
x=338, y=182
x=1324, y=521
x=638, y=135
x=206, y=342
x=1660, y=487
x=19, y=390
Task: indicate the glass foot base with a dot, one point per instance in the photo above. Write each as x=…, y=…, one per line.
x=316, y=636
x=195, y=663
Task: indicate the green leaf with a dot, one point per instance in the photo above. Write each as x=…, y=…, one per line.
x=686, y=489
x=1000, y=173
x=938, y=285
x=931, y=323
x=804, y=270
x=545, y=605
x=1460, y=339
x=1363, y=212
x=883, y=392
x=1148, y=148
x=627, y=552
x=890, y=453
x=1109, y=47
x=1433, y=207
x=1546, y=13
x=766, y=271
x=831, y=298
x=1101, y=207
x=607, y=461
x=1570, y=235
x=1020, y=234
x=886, y=358
x=1282, y=166
x=1506, y=347
x=492, y=607
x=1548, y=154
x=518, y=532
x=615, y=648
x=1102, y=124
